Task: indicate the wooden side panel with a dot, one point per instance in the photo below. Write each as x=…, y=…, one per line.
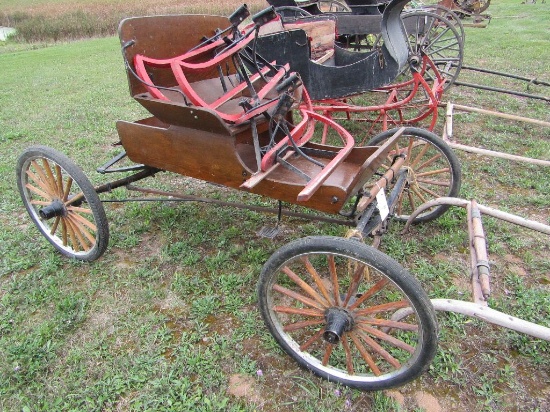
x=196, y=153
x=216, y=157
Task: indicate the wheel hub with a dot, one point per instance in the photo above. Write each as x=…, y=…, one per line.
x=338, y=321
x=54, y=209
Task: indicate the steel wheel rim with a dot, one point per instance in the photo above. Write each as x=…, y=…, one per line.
x=44, y=182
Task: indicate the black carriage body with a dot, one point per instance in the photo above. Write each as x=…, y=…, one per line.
x=347, y=72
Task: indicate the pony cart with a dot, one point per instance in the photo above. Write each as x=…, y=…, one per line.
x=223, y=113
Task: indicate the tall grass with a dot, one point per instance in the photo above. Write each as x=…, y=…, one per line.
x=62, y=22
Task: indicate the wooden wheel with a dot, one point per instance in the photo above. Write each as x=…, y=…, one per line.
x=329, y=303
x=433, y=171
x=62, y=203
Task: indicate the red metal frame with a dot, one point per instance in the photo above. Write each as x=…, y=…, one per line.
x=394, y=103
x=180, y=65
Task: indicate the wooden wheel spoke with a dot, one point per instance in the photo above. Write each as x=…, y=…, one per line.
x=79, y=196
x=38, y=192
x=419, y=156
x=433, y=172
x=72, y=235
x=82, y=220
x=411, y=200
x=298, y=297
x=298, y=311
x=434, y=182
x=318, y=335
x=40, y=203
x=384, y=307
x=75, y=233
x=429, y=162
x=43, y=176
x=78, y=231
x=326, y=356
x=79, y=209
x=400, y=203
x=380, y=350
x=80, y=228
x=334, y=279
x=354, y=286
x=59, y=179
x=305, y=287
x=390, y=324
x=347, y=351
x=51, y=178
x=64, y=231
x=369, y=293
x=300, y=325
x=67, y=188
x=415, y=190
x=317, y=279
x=428, y=191
x=55, y=225
x=365, y=354
x=43, y=185
x=385, y=337
x=409, y=151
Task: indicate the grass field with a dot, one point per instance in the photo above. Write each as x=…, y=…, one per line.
x=167, y=318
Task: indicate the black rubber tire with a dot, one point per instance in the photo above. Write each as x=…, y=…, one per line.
x=447, y=162
x=80, y=229
x=380, y=280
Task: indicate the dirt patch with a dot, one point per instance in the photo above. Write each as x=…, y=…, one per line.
x=427, y=402
x=243, y=386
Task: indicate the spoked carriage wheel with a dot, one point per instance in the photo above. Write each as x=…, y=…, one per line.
x=449, y=15
x=62, y=203
x=433, y=171
x=329, y=302
x=473, y=6
x=437, y=37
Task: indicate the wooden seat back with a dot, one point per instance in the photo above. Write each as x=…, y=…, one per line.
x=164, y=37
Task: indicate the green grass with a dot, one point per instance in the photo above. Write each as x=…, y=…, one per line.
x=168, y=315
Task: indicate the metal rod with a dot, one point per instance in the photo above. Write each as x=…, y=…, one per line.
x=179, y=197
x=512, y=76
x=107, y=187
x=499, y=90
x=126, y=181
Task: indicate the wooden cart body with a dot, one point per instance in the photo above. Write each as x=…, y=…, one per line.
x=196, y=142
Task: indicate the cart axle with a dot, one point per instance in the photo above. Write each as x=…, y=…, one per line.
x=56, y=208
x=338, y=322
